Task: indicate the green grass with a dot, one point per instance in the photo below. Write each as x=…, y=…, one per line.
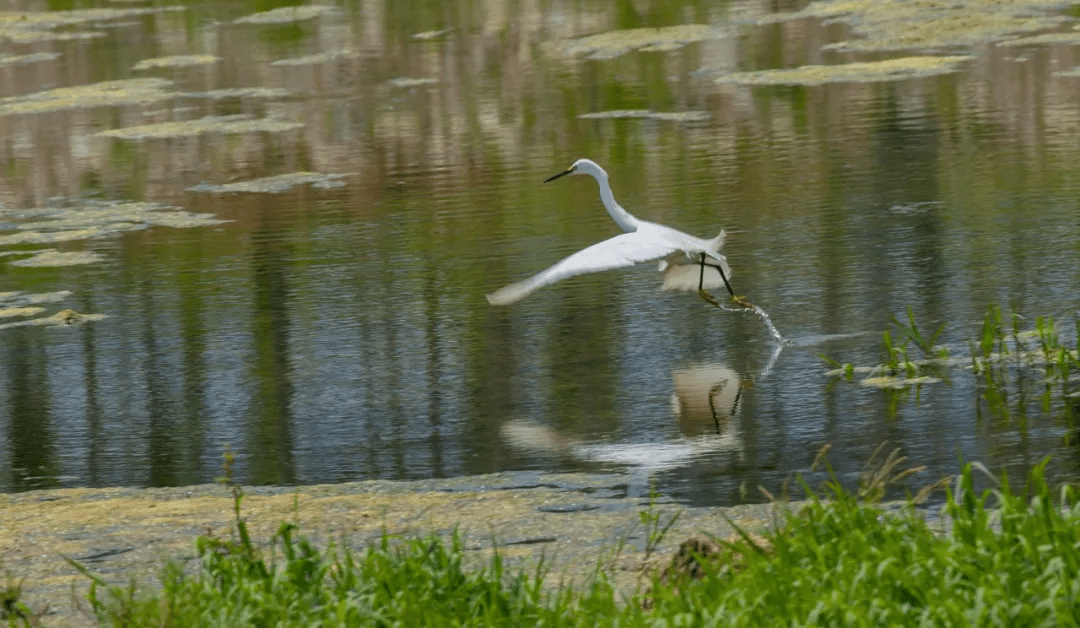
x=845, y=563
x=1008, y=560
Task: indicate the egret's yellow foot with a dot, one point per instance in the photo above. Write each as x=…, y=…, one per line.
x=742, y=301
x=708, y=297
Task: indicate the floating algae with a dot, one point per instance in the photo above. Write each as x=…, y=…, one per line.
x=34, y=26
x=615, y=43
x=1071, y=38
x=20, y=299
x=49, y=237
x=862, y=72
x=11, y=312
x=322, y=57
x=52, y=258
x=30, y=58
x=667, y=116
x=898, y=383
x=276, y=184
x=61, y=318
x=118, y=216
x=22, y=304
x=139, y=91
x=287, y=15
x=888, y=25
x=175, y=61
x=406, y=82
x=240, y=92
x=210, y=124
x=430, y=35
x=95, y=219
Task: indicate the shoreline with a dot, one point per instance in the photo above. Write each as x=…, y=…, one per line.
x=572, y=521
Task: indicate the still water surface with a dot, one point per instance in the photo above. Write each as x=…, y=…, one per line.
x=339, y=331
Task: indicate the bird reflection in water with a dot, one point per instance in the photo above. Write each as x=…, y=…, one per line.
x=706, y=400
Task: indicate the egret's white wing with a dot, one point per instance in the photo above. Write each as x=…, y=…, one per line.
x=618, y=252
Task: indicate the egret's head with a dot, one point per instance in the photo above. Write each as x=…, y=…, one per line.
x=581, y=166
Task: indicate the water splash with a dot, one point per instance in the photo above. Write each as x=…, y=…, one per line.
x=777, y=348
x=763, y=316
x=772, y=328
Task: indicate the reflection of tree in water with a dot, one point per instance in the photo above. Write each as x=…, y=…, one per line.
x=270, y=439
x=27, y=411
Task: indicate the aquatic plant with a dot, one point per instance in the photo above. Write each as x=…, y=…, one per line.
x=1008, y=362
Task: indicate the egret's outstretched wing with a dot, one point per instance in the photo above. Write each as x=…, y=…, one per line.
x=618, y=252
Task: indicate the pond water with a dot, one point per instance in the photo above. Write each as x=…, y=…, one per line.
x=334, y=328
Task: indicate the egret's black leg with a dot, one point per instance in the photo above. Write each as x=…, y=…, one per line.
x=701, y=285
x=710, y=298
x=730, y=291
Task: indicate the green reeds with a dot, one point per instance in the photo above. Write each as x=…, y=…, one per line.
x=1017, y=369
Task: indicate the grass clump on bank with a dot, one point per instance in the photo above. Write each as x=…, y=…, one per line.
x=1006, y=560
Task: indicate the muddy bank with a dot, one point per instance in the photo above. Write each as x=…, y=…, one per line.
x=572, y=520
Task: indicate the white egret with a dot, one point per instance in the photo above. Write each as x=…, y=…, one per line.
x=686, y=261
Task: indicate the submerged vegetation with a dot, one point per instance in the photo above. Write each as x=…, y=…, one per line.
x=994, y=557
x=1017, y=366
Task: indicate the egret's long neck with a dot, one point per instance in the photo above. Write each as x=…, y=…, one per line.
x=623, y=218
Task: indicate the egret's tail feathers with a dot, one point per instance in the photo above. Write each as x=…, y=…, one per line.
x=714, y=245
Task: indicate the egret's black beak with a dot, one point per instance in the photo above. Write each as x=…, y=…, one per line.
x=561, y=174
